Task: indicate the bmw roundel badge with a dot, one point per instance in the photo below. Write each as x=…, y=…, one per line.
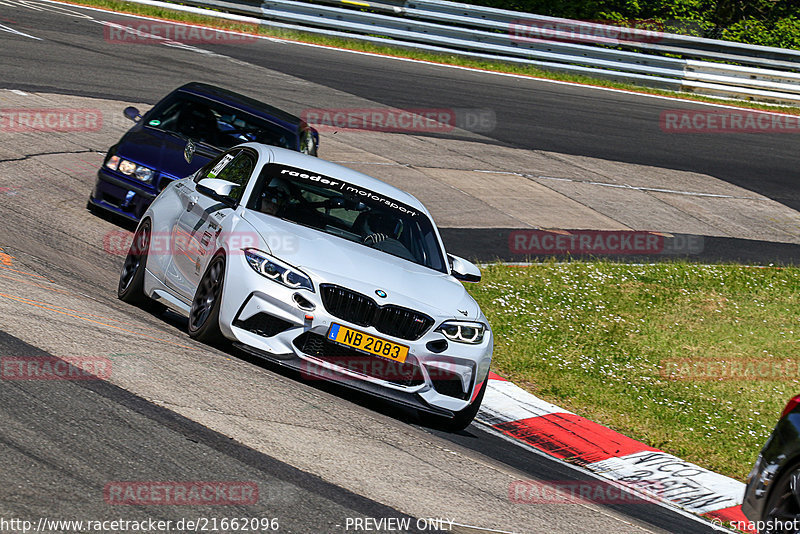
x=381, y=293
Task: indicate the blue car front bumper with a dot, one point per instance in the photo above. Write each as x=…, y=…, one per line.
x=120, y=196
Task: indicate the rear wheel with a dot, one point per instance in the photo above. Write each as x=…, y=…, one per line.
x=782, y=513
x=204, y=315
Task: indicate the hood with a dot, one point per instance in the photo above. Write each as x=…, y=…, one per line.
x=328, y=258
x=160, y=151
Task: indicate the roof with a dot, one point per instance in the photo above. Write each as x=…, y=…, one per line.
x=250, y=105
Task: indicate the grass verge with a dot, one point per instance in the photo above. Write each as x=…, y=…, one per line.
x=446, y=59
x=600, y=338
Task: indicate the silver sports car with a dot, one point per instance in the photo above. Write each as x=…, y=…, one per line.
x=322, y=269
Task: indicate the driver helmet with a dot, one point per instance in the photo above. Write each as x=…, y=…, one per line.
x=382, y=223
x=274, y=197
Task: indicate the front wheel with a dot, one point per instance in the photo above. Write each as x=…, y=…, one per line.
x=460, y=420
x=131, y=279
x=783, y=508
x=204, y=315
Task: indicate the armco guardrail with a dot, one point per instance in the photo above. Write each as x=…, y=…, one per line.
x=640, y=39
x=624, y=54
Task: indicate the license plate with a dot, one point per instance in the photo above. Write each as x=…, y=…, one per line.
x=362, y=341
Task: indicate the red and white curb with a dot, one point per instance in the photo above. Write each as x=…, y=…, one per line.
x=609, y=454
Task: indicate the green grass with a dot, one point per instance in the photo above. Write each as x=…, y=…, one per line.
x=590, y=337
x=447, y=59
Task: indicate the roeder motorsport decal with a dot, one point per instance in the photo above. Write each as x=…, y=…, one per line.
x=345, y=188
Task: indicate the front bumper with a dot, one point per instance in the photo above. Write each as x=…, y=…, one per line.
x=290, y=326
x=121, y=196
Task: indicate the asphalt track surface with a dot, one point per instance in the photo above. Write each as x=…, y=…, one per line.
x=64, y=440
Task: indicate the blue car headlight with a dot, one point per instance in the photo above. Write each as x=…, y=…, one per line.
x=129, y=168
x=463, y=331
x=277, y=270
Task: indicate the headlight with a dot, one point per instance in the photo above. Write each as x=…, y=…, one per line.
x=143, y=173
x=129, y=168
x=276, y=270
x=113, y=162
x=463, y=331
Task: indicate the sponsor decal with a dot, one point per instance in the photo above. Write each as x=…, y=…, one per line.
x=668, y=477
x=221, y=164
x=348, y=189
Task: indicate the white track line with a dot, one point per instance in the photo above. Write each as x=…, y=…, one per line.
x=15, y=32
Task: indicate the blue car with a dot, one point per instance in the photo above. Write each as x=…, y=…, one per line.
x=151, y=154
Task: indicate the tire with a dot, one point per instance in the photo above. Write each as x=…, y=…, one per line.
x=204, y=315
x=460, y=420
x=783, y=504
x=131, y=279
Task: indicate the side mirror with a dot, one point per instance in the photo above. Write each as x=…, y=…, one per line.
x=218, y=190
x=132, y=113
x=464, y=270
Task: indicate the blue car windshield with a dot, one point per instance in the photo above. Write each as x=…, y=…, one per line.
x=351, y=212
x=215, y=124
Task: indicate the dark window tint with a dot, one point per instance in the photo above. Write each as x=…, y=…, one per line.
x=215, y=124
x=349, y=212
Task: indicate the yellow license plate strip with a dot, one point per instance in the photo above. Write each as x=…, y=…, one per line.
x=368, y=343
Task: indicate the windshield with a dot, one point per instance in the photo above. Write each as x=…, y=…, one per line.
x=215, y=124
x=347, y=211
